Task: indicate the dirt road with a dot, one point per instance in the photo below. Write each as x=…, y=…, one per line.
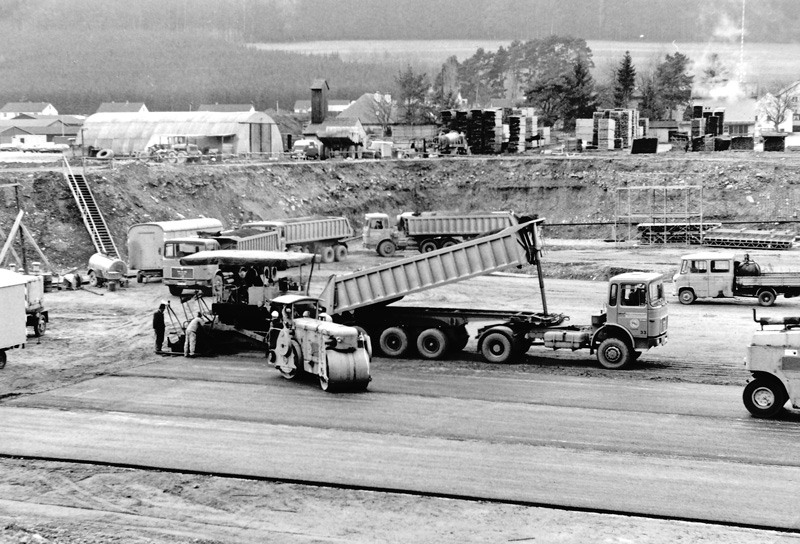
x=102, y=332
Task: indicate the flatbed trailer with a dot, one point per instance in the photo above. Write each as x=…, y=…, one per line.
x=636, y=319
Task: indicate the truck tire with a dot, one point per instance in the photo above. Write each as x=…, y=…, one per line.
x=432, y=344
x=686, y=296
x=766, y=297
x=93, y=281
x=40, y=327
x=427, y=246
x=175, y=290
x=449, y=242
x=614, y=354
x=386, y=248
x=2, y=359
x=496, y=345
x=394, y=342
x=340, y=253
x=764, y=398
x=326, y=254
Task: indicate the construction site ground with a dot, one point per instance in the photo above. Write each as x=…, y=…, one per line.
x=96, y=332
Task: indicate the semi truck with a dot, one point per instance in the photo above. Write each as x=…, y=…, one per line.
x=429, y=231
x=207, y=278
x=634, y=320
x=725, y=275
x=324, y=236
x=271, y=308
x=146, y=243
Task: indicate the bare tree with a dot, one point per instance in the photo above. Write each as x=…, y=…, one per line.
x=777, y=104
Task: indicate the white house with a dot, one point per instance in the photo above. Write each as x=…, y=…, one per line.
x=12, y=109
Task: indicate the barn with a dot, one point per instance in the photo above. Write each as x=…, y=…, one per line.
x=127, y=133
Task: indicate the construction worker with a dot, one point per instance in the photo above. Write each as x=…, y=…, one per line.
x=191, y=335
x=158, y=325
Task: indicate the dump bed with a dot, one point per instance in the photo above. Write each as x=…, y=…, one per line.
x=514, y=246
x=306, y=230
x=458, y=224
x=250, y=239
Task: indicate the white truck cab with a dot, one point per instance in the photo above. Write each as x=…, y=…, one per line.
x=702, y=275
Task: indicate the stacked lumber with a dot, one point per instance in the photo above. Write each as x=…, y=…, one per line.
x=605, y=133
x=584, y=130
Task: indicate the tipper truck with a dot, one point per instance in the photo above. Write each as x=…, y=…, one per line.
x=429, y=231
x=325, y=236
x=635, y=318
x=207, y=278
x=722, y=275
x=261, y=303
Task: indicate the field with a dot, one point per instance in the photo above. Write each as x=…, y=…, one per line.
x=763, y=62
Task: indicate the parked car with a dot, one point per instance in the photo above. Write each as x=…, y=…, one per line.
x=306, y=149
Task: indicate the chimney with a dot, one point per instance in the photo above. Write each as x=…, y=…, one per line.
x=319, y=101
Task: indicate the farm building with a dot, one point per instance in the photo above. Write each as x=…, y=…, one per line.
x=234, y=133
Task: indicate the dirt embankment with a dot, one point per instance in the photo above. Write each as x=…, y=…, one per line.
x=580, y=189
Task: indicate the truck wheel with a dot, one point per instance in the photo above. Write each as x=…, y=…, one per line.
x=432, y=344
x=614, y=354
x=326, y=254
x=764, y=398
x=496, y=347
x=449, y=242
x=386, y=248
x=427, y=246
x=93, y=282
x=686, y=296
x=394, y=342
x=340, y=253
x=766, y=297
x=40, y=327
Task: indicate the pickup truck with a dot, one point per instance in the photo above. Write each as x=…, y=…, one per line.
x=721, y=275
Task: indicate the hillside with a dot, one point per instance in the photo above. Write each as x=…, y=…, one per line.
x=736, y=187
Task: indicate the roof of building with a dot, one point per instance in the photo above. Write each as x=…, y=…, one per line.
x=106, y=107
x=743, y=110
x=72, y=120
x=367, y=106
x=226, y=107
x=319, y=84
x=31, y=107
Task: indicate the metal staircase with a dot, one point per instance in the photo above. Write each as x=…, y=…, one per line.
x=92, y=218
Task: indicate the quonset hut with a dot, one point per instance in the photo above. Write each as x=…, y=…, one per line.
x=127, y=133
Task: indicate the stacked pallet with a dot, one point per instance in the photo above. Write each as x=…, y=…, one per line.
x=448, y=120
x=605, y=133
x=698, y=128
x=584, y=130
x=461, y=122
x=493, y=130
x=518, y=131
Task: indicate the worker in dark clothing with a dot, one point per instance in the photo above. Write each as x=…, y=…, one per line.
x=158, y=325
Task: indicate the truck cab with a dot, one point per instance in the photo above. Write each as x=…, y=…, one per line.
x=178, y=277
x=383, y=234
x=705, y=275
x=636, y=314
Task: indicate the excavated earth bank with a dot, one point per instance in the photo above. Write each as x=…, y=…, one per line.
x=754, y=187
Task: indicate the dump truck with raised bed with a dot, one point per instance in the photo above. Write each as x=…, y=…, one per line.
x=207, y=278
x=725, y=275
x=258, y=301
x=429, y=231
x=634, y=320
x=325, y=236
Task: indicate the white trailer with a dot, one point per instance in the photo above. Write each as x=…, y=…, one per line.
x=325, y=236
x=13, y=318
x=146, y=242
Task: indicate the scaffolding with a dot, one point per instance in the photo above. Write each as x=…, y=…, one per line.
x=661, y=214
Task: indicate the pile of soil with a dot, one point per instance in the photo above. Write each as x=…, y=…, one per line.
x=580, y=190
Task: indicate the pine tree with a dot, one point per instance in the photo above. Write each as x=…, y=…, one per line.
x=624, y=82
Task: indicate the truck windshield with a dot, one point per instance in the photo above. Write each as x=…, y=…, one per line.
x=182, y=249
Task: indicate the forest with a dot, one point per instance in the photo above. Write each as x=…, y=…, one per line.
x=180, y=54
